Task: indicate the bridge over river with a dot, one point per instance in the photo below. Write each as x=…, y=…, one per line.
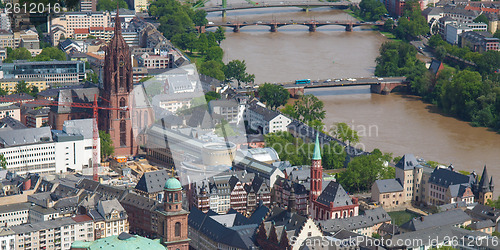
x=377, y=85
x=306, y=5
x=274, y=25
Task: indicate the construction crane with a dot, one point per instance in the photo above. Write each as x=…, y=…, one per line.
x=95, y=130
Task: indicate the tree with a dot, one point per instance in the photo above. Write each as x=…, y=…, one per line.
x=174, y=18
x=18, y=54
x=273, y=95
x=3, y=161
x=343, y=132
x=202, y=43
x=372, y=10
x=497, y=34
x=459, y=95
x=22, y=87
x=213, y=69
x=236, y=70
x=94, y=78
x=200, y=17
x=212, y=95
x=214, y=53
x=110, y=5
x=50, y=53
x=481, y=19
x=389, y=25
x=220, y=34
x=3, y=92
x=309, y=108
x=363, y=171
x=107, y=148
x=34, y=91
x=412, y=24
x=333, y=156
x=290, y=111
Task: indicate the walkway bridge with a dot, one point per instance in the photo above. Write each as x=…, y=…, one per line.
x=377, y=85
x=274, y=25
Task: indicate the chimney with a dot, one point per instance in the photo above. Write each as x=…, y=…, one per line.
x=27, y=184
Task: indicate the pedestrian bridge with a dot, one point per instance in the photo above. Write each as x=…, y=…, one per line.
x=349, y=25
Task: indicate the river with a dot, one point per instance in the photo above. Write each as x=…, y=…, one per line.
x=394, y=123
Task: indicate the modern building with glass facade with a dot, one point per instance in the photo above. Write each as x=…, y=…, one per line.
x=58, y=73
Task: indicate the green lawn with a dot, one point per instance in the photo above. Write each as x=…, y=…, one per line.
x=401, y=217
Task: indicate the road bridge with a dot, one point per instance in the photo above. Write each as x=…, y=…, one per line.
x=377, y=85
x=274, y=25
x=305, y=5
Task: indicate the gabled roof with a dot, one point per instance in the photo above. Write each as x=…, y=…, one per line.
x=152, y=182
x=9, y=123
x=107, y=207
x=138, y=201
x=451, y=217
x=335, y=193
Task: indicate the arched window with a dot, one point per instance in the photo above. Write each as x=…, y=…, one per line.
x=122, y=102
x=123, y=133
x=345, y=214
x=176, y=197
x=336, y=215
x=170, y=197
x=177, y=229
x=122, y=73
x=351, y=213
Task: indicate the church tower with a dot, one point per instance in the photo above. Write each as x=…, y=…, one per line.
x=316, y=172
x=173, y=220
x=116, y=89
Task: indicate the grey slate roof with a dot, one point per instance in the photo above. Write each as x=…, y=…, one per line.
x=478, y=225
x=152, y=182
x=78, y=95
x=369, y=218
x=335, y=193
x=267, y=114
x=240, y=237
x=139, y=201
x=15, y=207
x=445, y=177
x=485, y=212
x=407, y=162
x=25, y=136
x=450, y=217
x=9, y=123
x=388, y=186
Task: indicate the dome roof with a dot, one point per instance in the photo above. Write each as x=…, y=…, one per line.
x=173, y=184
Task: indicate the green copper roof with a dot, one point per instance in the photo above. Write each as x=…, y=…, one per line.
x=173, y=184
x=122, y=241
x=317, y=152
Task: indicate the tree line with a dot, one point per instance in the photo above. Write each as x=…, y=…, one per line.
x=47, y=54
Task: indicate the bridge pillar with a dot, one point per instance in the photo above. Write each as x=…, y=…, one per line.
x=312, y=27
x=384, y=88
x=224, y=14
x=348, y=27
x=274, y=27
x=236, y=28
x=306, y=10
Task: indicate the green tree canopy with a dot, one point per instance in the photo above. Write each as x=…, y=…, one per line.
x=236, y=70
x=412, y=24
x=372, y=10
x=174, y=17
x=309, y=108
x=107, y=148
x=110, y=5
x=481, y=19
x=50, y=53
x=200, y=17
x=343, y=132
x=3, y=162
x=17, y=54
x=213, y=69
x=220, y=34
x=273, y=95
x=214, y=53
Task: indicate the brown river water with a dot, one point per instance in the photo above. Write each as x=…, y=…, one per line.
x=393, y=123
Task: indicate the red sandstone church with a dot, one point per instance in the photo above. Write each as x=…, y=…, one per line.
x=333, y=202
x=117, y=91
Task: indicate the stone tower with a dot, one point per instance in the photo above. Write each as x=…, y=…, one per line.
x=173, y=220
x=316, y=172
x=484, y=189
x=115, y=91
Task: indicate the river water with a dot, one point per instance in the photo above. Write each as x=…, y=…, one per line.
x=394, y=123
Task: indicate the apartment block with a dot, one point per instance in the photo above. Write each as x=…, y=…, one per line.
x=11, y=110
x=10, y=84
x=61, y=73
x=54, y=234
x=14, y=214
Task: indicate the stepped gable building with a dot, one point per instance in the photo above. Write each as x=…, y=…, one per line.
x=331, y=202
x=116, y=89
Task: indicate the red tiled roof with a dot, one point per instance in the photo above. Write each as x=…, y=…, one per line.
x=102, y=28
x=82, y=31
x=82, y=218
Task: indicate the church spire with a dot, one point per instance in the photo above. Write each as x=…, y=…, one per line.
x=317, y=152
x=483, y=184
x=118, y=24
